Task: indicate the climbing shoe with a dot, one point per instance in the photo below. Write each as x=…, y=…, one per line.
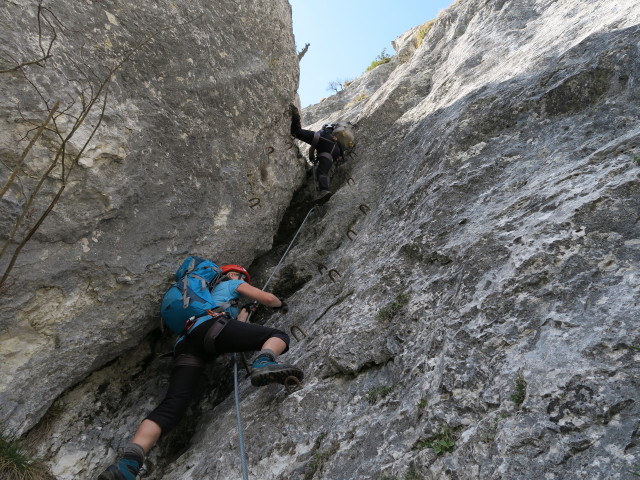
x=125, y=469
x=293, y=110
x=265, y=370
x=323, y=197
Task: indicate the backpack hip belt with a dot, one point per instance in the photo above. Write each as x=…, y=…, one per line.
x=196, y=322
x=220, y=321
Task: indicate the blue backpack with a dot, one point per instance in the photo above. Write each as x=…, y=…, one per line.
x=190, y=296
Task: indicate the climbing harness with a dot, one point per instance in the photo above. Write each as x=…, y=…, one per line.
x=288, y=381
x=328, y=155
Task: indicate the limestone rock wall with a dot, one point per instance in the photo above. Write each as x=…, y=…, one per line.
x=469, y=294
x=191, y=155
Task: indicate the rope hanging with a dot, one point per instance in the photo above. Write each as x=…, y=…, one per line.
x=243, y=456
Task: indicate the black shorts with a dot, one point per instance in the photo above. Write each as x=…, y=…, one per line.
x=184, y=382
x=236, y=336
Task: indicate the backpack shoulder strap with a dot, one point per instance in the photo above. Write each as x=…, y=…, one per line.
x=316, y=139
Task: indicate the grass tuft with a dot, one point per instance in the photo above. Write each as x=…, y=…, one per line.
x=422, y=32
x=378, y=393
x=319, y=458
x=17, y=464
x=360, y=97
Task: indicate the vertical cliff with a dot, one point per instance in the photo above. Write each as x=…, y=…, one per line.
x=169, y=139
x=470, y=292
x=468, y=296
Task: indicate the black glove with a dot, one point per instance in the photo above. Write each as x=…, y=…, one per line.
x=284, y=308
x=250, y=307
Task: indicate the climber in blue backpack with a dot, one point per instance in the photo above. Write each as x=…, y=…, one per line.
x=221, y=329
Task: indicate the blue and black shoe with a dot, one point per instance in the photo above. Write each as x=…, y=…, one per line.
x=125, y=469
x=265, y=370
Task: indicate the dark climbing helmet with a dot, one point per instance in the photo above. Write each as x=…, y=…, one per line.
x=238, y=269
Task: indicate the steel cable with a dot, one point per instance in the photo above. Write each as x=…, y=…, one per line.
x=243, y=456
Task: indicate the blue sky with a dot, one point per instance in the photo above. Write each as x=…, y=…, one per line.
x=347, y=35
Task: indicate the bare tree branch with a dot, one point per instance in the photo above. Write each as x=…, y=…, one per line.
x=303, y=51
x=46, y=52
x=55, y=200
x=30, y=201
x=33, y=230
x=89, y=95
x=26, y=151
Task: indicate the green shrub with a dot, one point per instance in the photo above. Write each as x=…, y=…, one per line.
x=389, y=311
x=637, y=159
x=17, y=464
x=384, y=57
x=378, y=393
x=520, y=392
x=441, y=442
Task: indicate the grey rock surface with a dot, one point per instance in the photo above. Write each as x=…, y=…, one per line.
x=484, y=256
x=469, y=294
x=192, y=137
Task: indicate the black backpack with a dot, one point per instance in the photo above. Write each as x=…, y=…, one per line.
x=339, y=134
x=345, y=134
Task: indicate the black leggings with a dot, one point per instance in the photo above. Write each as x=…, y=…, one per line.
x=184, y=382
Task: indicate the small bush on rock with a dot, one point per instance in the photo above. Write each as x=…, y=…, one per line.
x=520, y=392
x=390, y=310
x=384, y=57
x=441, y=442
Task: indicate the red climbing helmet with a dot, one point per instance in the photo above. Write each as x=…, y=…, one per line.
x=238, y=269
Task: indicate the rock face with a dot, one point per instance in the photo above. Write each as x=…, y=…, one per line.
x=469, y=294
x=191, y=156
